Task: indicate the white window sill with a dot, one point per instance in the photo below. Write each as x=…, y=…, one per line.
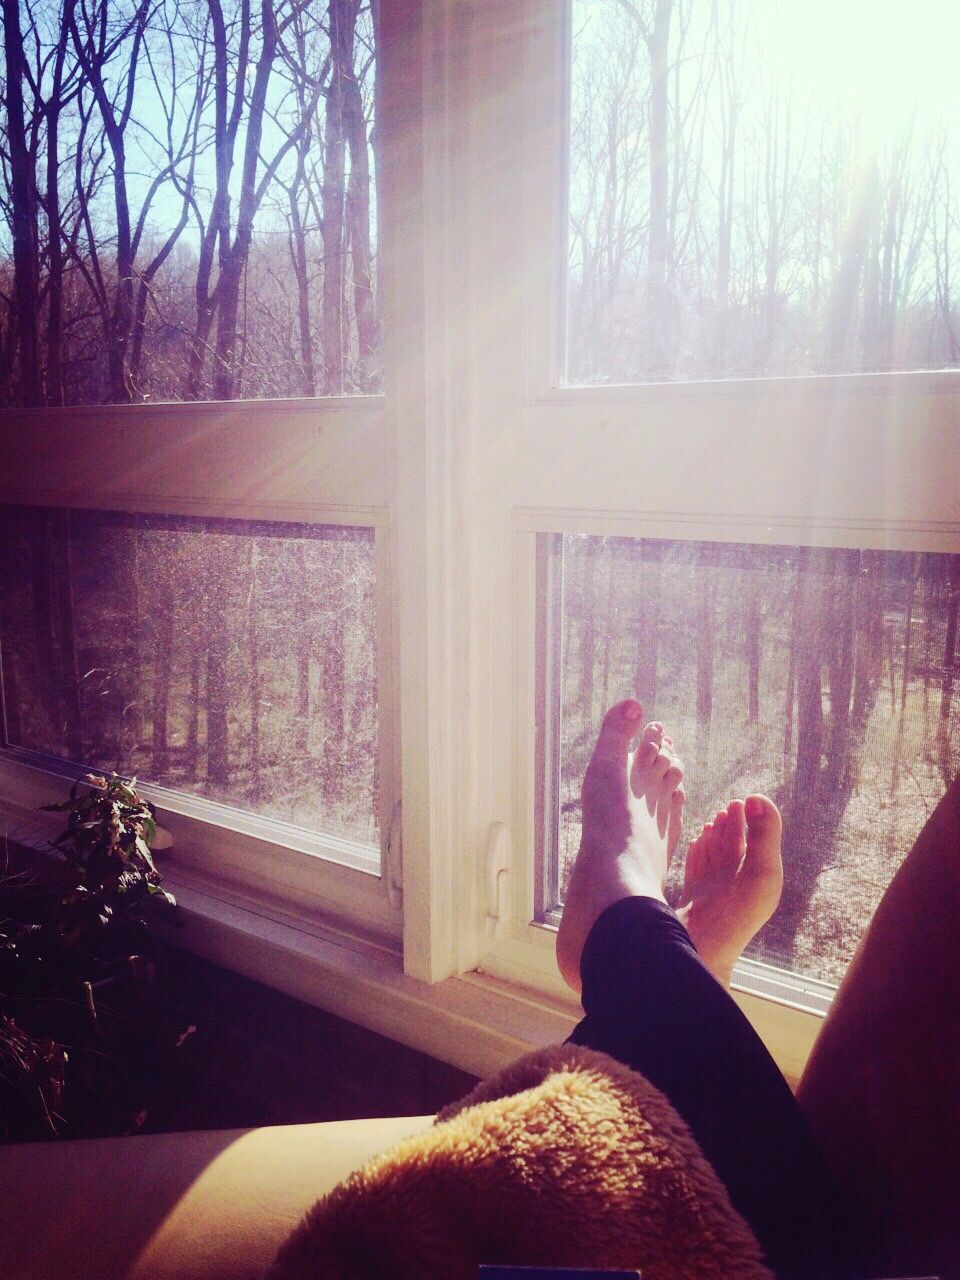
x=476, y=1022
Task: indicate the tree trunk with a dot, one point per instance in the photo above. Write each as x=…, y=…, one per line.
x=233, y=263
x=193, y=721
x=162, y=667
x=648, y=556
x=589, y=558
x=706, y=579
x=846, y=294
x=868, y=656
x=809, y=689
x=358, y=214
x=69, y=674
x=298, y=253
x=218, y=646
x=904, y=679
x=334, y=680
x=753, y=646
x=23, y=212
x=54, y=379
x=332, y=225
x=840, y=663
x=254, y=651
x=659, y=320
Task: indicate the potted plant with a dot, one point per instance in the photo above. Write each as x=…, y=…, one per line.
x=86, y=1027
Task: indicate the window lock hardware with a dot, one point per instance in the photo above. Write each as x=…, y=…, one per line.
x=498, y=870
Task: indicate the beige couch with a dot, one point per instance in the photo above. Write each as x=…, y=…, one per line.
x=184, y=1205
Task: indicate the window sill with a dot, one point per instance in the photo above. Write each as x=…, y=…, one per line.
x=476, y=1022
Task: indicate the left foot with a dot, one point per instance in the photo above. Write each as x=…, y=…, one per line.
x=632, y=808
x=732, y=881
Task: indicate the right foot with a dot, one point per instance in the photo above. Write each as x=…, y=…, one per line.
x=732, y=881
x=631, y=826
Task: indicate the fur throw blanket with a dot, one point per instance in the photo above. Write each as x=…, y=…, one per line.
x=566, y=1158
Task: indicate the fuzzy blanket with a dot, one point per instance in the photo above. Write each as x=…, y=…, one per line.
x=566, y=1158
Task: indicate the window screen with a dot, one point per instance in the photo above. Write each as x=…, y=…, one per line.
x=230, y=659
x=821, y=677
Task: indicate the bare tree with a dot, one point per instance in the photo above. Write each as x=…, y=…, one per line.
x=23, y=209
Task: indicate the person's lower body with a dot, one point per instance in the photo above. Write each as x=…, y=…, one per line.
x=651, y=1003
x=654, y=985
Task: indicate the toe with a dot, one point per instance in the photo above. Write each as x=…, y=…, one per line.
x=695, y=864
x=618, y=729
x=647, y=750
x=661, y=763
x=734, y=836
x=672, y=778
x=665, y=790
x=714, y=858
x=606, y=802
x=764, y=829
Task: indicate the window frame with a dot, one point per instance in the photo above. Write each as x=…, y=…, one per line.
x=93, y=457
x=472, y=452
x=861, y=460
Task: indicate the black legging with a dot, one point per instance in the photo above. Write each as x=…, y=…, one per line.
x=651, y=1003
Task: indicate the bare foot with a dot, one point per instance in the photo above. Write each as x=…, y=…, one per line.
x=632, y=812
x=732, y=881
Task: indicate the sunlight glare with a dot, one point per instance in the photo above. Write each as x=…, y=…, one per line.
x=869, y=56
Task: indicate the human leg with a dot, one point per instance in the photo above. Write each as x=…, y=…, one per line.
x=652, y=1002
x=882, y=1086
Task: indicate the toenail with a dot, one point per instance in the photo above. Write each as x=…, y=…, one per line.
x=633, y=712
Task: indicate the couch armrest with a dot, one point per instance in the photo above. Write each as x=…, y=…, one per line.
x=209, y=1206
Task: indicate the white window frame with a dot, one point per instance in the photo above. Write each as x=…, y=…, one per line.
x=471, y=453
x=315, y=462
x=867, y=461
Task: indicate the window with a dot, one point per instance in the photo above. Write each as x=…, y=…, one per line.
x=223, y=658
x=721, y=467
x=759, y=188
x=822, y=677
x=189, y=202
x=190, y=328
x=499, y=484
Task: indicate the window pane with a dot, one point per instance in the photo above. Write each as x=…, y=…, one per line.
x=230, y=659
x=823, y=678
x=189, y=208
x=761, y=188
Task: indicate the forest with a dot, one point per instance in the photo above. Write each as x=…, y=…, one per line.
x=822, y=677
x=225, y=658
x=187, y=200
x=760, y=188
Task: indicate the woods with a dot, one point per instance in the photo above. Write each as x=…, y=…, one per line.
x=168, y=170
x=821, y=677
x=736, y=212
x=226, y=658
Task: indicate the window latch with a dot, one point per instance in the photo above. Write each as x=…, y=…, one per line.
x=498, y=870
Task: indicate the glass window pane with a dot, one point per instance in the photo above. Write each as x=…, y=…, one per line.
x=189, y=210
x=821, y=677
x=231, y=659
x=761, y=188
